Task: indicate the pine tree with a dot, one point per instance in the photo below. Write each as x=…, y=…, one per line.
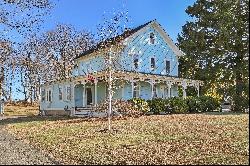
x=216, y=43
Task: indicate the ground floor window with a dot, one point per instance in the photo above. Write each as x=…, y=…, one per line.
x=166, y=92
x=68, y=91
x=136, y=90
x=154, y=91
x=49, y=95
x=43, y=95
x=60, y=92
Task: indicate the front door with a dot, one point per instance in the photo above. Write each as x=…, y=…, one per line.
x=89, y=96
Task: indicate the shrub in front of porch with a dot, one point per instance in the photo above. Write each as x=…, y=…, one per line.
x=140, y=104
x=202, y=104
x=157, y=105
x=121, y=107
x=179, y=105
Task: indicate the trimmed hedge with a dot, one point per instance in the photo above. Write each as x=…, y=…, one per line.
x=157, y=105
x=202, y=104
x=172, y=105
x=179, y=105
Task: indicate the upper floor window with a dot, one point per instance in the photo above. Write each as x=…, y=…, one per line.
x=152, y=62
x=136, y=61
x=152, y=38
x=136, y=90
x=60, y=93
x=167, y=67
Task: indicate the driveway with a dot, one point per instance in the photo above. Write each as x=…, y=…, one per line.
x=16, y=152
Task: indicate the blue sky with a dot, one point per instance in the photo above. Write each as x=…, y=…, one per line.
x=86, y=14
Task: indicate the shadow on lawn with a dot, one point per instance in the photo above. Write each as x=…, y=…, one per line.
x=10, y=120
x=224, y=113
x=37, y=118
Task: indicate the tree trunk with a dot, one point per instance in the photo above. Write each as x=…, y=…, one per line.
x=239, y=99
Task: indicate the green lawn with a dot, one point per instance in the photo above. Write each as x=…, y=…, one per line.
x=10, y=110
x=169, y=139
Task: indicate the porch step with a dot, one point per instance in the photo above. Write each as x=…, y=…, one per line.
x=83, y=111
x=83, y=108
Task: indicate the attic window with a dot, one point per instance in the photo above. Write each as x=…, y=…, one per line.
x=152, y=38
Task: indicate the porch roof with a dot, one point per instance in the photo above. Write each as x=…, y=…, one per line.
x=138, y=76
x=132, y=76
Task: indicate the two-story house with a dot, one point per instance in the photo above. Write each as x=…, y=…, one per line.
x=147, y=68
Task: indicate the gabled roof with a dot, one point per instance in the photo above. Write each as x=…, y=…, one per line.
x=127, y=34
x=118, y=38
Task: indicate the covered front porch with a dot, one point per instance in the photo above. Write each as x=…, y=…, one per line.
x=127, y=85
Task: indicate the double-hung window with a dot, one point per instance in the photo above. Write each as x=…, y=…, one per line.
x=152, y=63
x=49, y=95
x=43, y=95
x=60, y=92
x=136, y=90
x=68, y=93
x=154, y=91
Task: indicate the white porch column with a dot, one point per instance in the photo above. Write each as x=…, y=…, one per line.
x=198, y=89
x=184, y=87
x=73, y=95
x=169, y=83
x=95, y=91
x=152, y=88
x=83, y=93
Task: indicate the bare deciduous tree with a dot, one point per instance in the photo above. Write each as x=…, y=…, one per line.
x=49, y=57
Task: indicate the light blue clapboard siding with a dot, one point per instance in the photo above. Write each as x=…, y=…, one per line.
x=140, y=46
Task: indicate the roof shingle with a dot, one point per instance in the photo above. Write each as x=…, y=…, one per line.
x=113, y=40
